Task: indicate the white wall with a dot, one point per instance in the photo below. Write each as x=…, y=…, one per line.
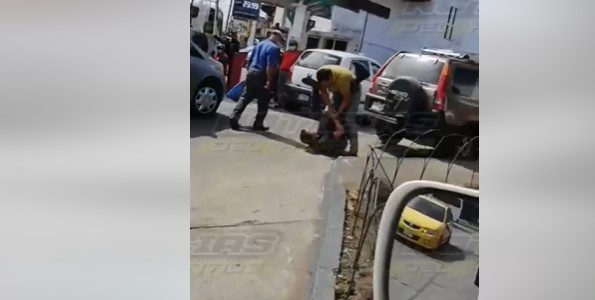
x=412, y=26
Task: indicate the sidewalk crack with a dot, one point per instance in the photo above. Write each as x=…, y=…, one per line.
x=249, y=223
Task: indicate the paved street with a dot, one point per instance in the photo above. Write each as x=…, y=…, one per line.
x=446, y=275
x=256, y=198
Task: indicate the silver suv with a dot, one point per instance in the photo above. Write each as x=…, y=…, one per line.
x=433, y=89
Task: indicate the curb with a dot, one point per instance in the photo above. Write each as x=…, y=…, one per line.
x=327, y=259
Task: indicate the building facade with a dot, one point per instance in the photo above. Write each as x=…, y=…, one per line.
x=446, y=24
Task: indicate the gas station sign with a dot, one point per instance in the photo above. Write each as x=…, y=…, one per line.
x=246, y=9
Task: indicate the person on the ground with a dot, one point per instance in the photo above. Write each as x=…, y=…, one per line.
x=222, y=57
x=342, y=106
x=262, y=66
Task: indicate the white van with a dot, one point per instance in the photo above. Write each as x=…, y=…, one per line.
x=312, y=59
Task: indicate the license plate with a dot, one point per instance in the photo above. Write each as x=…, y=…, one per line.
x=379, y=106
x=303, y=97
x=407, y=233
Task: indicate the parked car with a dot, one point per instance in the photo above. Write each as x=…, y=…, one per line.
x=311, y=60
x=433, y=89
x=207, y=83
x=426, y=221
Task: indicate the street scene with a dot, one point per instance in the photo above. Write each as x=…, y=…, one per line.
x=290, y=101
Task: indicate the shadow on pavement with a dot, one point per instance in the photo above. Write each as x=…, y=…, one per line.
x=282, y=139
x=208, y=126
x=448, y=253
x=292, y=143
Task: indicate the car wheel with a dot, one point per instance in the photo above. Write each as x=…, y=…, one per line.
x=207, y=98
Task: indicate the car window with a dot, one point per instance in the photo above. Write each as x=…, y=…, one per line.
x=364, y=63
x=315, y=59
x=428, y=208
x=426, y=69
x=195, y=53
x=375, y=67
x=467, y=81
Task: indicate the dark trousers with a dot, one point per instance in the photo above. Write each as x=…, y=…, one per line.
x=255, y=82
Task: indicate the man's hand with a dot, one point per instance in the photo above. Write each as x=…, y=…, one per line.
x=268, y=85
x=339, y=131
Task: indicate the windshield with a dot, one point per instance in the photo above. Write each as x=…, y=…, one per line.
x=428, y=208
x=467, y=81
x=425, y=68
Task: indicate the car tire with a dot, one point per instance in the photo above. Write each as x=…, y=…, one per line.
x=207, y=98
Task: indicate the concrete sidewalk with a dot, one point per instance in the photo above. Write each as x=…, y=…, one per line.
x=257, y=216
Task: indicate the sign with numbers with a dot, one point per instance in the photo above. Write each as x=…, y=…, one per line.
x=246, y=9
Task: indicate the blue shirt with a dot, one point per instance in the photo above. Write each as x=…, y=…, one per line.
x=264, y=55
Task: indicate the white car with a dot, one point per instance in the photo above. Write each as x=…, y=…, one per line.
x=312, y=59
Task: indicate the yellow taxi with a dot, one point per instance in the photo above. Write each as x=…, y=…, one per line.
x=426, y=221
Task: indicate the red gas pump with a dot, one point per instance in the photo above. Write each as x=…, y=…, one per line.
x=235, y=69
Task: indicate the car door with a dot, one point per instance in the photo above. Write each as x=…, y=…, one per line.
x=366, y=83
x=448, y=221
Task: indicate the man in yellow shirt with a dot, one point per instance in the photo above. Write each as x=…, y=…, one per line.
x=342, y=106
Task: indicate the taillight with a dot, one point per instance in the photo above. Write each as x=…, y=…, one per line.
x=374, y=85
x=440, y=95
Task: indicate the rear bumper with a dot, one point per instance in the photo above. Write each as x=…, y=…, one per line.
x=414, y=125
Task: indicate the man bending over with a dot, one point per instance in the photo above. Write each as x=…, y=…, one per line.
x=342, y=106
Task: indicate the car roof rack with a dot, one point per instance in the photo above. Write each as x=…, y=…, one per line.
x=445, y=52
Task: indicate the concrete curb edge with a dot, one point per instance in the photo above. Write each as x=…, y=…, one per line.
x=327, y=259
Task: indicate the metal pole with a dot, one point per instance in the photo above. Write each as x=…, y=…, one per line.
x=361, y=42
x=191, y=4
x=231, y=2
x=216, y=19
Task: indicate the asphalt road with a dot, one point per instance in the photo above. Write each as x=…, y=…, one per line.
x=448, y=274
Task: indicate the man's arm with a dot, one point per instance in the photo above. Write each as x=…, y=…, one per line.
x=325, y=98
x=272, y=65
x=345, y=103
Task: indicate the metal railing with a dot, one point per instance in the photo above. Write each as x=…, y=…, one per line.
x=368, y=206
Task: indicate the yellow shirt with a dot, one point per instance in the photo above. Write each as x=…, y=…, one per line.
x=341, y=79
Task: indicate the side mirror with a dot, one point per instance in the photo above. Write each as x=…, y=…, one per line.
x=391, y=220
x=456, y=90
x=194, y=12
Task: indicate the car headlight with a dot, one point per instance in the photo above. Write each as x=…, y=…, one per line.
x=430, y=232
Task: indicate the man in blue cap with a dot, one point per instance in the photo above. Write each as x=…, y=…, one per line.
x=260, y=80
